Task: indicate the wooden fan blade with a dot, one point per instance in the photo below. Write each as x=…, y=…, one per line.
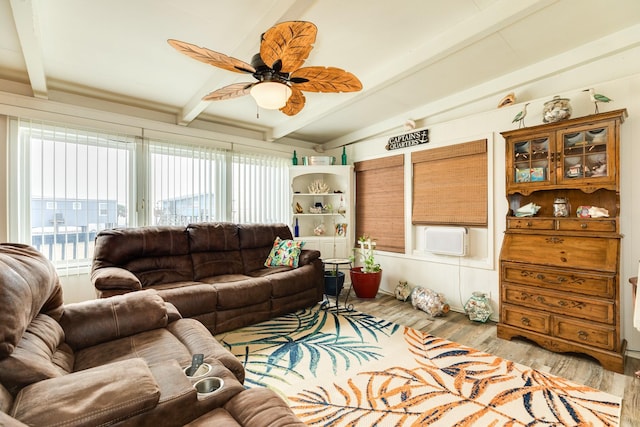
x=325, y=79
x=291, y=42
x=210, y=57
x=232, y=91
x=295, y=103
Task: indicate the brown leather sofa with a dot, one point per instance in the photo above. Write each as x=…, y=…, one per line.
x=212, y=272
x=112, y=361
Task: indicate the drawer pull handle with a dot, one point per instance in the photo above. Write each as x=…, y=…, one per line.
x=583, y=225
x=529, y=224
x=562, y=303
x=559, y=280
x=583, y=335
x=525, y=321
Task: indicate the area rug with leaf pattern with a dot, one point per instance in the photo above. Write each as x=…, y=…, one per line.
x=353, y=369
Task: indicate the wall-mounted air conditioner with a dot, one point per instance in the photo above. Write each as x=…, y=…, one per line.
x=447, y=240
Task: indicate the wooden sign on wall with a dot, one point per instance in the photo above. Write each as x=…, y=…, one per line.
x=408, y=139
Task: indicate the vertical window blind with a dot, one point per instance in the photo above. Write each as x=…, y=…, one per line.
x=67, y=184
x=260, y=189
x=185, y=183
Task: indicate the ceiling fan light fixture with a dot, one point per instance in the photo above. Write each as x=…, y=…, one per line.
x=271, y=95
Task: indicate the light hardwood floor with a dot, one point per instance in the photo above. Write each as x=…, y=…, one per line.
x=482, y=336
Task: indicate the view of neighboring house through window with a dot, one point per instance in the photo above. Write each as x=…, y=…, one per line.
x=184, y=183
x=67, y=184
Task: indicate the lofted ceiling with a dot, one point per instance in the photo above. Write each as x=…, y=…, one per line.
x=413, y=57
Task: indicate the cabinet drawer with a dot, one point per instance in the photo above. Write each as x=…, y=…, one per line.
x=530, y=224
x=525, y=319
x=587, y=225
x=559, y=302
x=588, y=253
x=564, y=280
x=584, y=332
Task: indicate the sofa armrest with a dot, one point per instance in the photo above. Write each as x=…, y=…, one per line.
x=95, y=396
x=173, y=313
x=93, y=322
x=8, y=421
x=115, y=278
x=307, y=256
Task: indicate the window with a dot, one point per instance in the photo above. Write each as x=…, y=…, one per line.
x=260, y=189
x=380, y=202
x=450, y=185
x=67, y=184
x=185, y=184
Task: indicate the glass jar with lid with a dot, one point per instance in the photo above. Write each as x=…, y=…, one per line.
x=561, y=207
x=556, y=110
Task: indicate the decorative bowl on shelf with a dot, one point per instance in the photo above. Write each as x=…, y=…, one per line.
x=322, y=160
x=597, y=136
x=541, y=144
x=522, y=147
x=571, y=139
x=572, y=160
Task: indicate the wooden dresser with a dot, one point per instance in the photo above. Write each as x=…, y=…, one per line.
x=559, y=275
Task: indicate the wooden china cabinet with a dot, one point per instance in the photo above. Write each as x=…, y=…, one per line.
x=559, y=275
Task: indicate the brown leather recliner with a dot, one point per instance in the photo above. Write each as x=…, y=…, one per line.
x=117, y=360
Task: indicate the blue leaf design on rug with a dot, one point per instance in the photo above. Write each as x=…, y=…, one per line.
x=352, y=369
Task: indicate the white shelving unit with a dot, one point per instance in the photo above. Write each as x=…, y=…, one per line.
x=339, y=178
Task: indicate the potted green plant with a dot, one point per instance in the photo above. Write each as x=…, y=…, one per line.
x=365, y=279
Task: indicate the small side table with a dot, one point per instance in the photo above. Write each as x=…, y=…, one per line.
x=335, y=264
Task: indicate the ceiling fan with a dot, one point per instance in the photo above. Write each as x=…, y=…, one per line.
x=277, y=68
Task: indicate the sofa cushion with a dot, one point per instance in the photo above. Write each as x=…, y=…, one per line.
x=41, y=354
x=93, y=397
x=178, y=341
x=256, y=241
x=153, y=254
x=28, y=285
x=215, y=249
x=243, y=293
x=285, y=252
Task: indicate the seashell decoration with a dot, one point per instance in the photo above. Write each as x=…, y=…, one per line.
x=318, y=187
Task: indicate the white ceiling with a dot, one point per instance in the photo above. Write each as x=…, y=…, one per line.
x=414, y=57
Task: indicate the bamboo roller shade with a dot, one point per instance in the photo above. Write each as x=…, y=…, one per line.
x=380, y=202
x=450, y=185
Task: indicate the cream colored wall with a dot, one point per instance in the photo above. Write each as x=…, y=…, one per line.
x=458, y=278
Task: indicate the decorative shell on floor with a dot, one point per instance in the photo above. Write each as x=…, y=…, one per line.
x=318, y=187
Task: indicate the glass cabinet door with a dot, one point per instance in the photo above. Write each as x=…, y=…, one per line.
x=585, y=155
x=531, y=161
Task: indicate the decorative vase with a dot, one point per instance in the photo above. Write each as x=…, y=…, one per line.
x=333, y=284
x=478, y=307
x=365, y=285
